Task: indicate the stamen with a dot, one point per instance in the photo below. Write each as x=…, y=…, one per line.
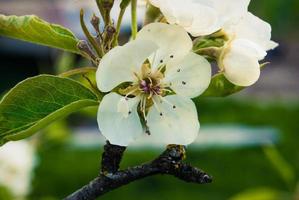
x=157, y=107
x=166, y=101
x=149, y=78
x=143, y=106
x=123, y=107
x=151, y=95
x=147, y=132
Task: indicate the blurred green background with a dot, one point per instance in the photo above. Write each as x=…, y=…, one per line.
x=258, y=171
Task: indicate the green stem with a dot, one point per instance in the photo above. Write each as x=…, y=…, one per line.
x=134, y=26
x=90, y=38
x=118, y=26
x=101, y=9
x=82, y=70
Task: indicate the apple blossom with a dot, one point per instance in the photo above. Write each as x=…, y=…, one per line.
x=158, y=75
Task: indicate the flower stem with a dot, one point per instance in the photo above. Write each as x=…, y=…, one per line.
x=134, y=25
x=90, y=38
x=100, y=6
x=118, y=26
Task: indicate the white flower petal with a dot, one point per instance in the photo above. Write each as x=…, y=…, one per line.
x=228, y=9
x=206, y=21
x=175, y=11
x=241, y=66
x=252, y=49
x=118, y=65
x=174, y=42
x=201, y=17
x=252, y=28
x=17, y=160
x=189, y=77
x=118, y=128
x=177, y=125
x=155, y=2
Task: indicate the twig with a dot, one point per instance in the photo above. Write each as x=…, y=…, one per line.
x=169, y=162
x=111, y=158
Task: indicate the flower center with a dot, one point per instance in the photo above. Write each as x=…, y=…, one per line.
x=150, y=86
x=150, y=90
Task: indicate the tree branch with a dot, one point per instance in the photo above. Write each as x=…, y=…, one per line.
x=111, y=158
x=169, y=162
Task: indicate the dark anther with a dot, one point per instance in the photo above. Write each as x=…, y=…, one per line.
x=161, y=114
x=148, y=132
x=184, y=83
x=161, y=61
x=179, y=70
x=171, y=56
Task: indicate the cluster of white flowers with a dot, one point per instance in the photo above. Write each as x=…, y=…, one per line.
x=16, y=165
x=152, y=79
x=249, y=36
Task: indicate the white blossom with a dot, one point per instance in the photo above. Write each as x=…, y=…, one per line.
x=16, y=165
x=201, y=17
x=250, y=39
x=161, y=75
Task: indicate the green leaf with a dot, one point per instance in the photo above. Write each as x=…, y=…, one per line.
x=221, y=87
x=30, y=28
x=36, y=102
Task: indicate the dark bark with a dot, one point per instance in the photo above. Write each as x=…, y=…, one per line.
x=111, y=158
x=169, y=162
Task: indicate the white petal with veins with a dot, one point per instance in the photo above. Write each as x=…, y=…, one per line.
x=118, y=128
x=241, y=66
x=177, y=125
x=173, y=41
x=206, y=21
x=189, y=77
x=201, y=17
x=252, y=28
x=228, y=9
x=120, y=63
x=252, y=48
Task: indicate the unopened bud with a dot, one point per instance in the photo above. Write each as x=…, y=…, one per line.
x=85, y=48
x=110, y=31
x=108, y=4
x=95, y=21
